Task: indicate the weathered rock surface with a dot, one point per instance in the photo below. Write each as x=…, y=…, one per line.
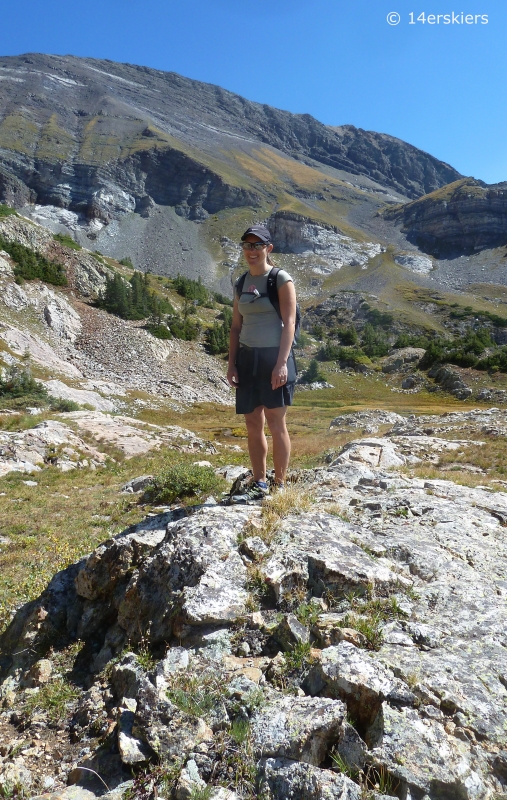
x=50, y=441
x=422, y=564
x=302, y=729
x=285, y=778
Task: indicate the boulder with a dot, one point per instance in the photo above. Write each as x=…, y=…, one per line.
x=298, y=781
x=300, y=728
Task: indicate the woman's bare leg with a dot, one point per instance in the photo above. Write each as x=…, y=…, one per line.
x=257, y=444
x=281, y=443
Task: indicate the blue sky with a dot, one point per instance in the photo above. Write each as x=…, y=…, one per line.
x=441, y=87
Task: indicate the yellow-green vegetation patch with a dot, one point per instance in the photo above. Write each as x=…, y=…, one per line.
x=19, y=134
x=99, y=144
x=54, y=144
x=464, y=188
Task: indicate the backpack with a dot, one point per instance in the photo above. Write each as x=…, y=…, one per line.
x=272, y=293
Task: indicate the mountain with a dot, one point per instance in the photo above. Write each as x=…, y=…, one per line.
x=168, y=171
x=70, y=125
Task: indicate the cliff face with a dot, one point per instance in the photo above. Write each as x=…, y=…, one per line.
x=465, y=216
x=106, y=138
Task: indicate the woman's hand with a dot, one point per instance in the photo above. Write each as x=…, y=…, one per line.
x=279, y=375
x=232, y=376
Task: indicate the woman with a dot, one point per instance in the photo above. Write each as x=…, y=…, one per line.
x=261, y=363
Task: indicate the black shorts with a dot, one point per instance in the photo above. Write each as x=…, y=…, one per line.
x=255, y=365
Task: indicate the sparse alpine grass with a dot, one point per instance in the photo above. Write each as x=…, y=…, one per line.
x=52, y=698
x=292, y=499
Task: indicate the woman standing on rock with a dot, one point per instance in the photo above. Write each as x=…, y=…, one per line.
x=261, y=362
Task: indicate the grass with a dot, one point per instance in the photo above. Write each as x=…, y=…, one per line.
x=197, y=693
x=235, y=764
x=64, y=517
x=342, y=767
x=293, y=499
x=368, y=615
x=7, y=211
x=298, y=658
x=52, y=698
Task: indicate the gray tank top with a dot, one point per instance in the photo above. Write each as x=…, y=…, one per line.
x=262, y=327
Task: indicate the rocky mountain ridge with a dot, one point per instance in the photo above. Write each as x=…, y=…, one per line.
x=466, y=216
x=83, y=115
x=391, y=589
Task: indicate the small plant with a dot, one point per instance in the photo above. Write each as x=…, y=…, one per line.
x=308, y=613
x=240, y=731
x=402, y=511
x=291, y=500
x=201, y=793
x=341, y=765
x=62, y=405
x=256, y=584
x=197, y=693
x=378, y=779
x=181, y=481
x=51, y=698
x=298, y=657
x=368, y=614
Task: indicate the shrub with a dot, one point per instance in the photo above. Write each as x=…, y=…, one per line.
x=303, y=339
x=329, y=351
x=348, y=336
x=159, y=331
x=67, y=240
x=62, y=405
x=30, y=265
x=126, y=262
x=313, y=373
x=351, y=356
x=217, y=337
x=184, y=328
x=181, y=481
x=380, y=319
x=408, y=340
x=190, y=289
x=222, y=299
x=19, y=389
x=318, y=331
x=374, y=343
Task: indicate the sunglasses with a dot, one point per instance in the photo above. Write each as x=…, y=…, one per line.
x=253, y=245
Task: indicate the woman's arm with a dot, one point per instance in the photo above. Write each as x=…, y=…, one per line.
x=237, y=322
x=287, y=300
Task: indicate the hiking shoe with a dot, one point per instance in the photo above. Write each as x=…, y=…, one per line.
x=256, y=491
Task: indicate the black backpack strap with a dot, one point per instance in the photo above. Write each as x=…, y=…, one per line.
x=273, y=291
x=240, y=283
